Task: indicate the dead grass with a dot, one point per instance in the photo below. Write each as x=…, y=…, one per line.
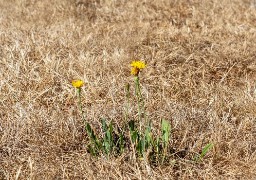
x=201, y=76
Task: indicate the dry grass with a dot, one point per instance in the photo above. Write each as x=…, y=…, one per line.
x=201, y=75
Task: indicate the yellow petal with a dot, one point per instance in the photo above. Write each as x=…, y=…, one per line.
x=135, y=71
x=138, y=64
x=77, y=83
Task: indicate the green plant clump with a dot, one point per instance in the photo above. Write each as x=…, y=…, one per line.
x=144, y=143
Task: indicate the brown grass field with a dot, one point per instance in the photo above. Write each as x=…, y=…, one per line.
x=200, y=75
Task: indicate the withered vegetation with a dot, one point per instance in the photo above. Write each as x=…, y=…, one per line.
x=200, y=75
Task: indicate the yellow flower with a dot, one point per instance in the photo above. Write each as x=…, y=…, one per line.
x=135, y=71
x=138, y=64
x=77, y=83
x=136, y=67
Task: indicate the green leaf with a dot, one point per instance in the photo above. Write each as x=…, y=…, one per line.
x=108, y=136
x=157, y=145
x=133, y=132
x=107, y=147
x=104, y=125
x=120, y=143
x=91, y=150
x=205, y=150
x=141, y=146
x=166, y=128
x=131, y=125
x=134, y=136
x=90, y=132
x=148, y=137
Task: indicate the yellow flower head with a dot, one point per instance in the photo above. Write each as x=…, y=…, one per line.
x=135, y=71
x=77, y=83
x=136, y=67
x=138, y=64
